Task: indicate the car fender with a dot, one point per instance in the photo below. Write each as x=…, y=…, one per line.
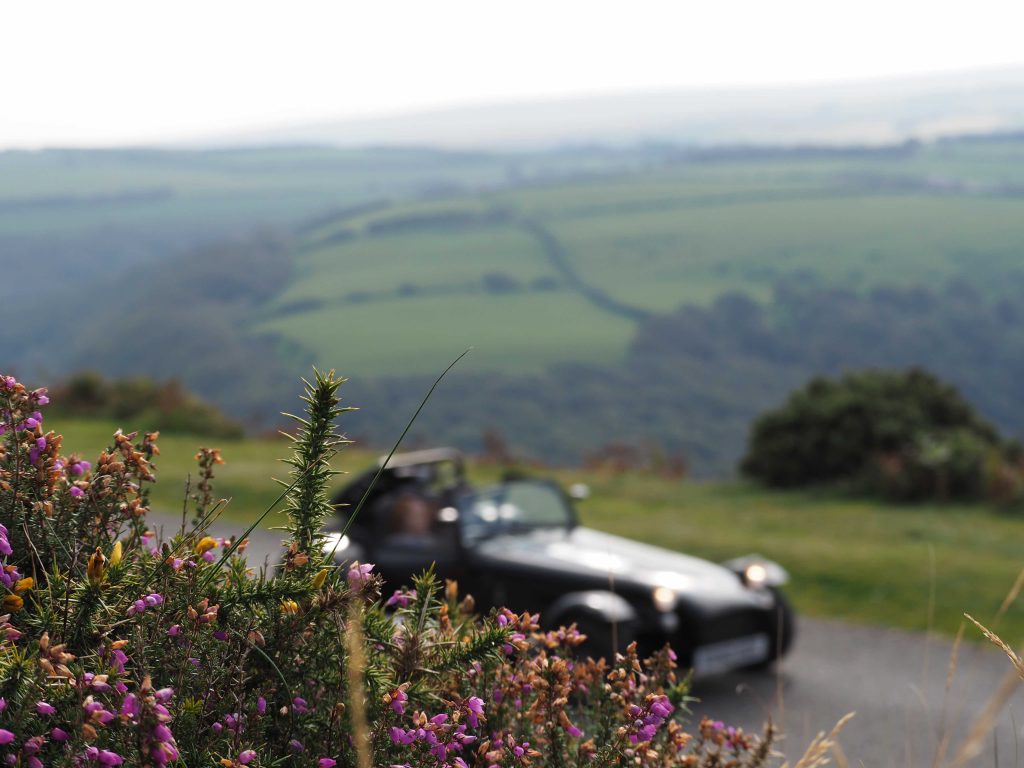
x=600, y=604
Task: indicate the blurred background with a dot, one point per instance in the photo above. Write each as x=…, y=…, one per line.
x=650, y=223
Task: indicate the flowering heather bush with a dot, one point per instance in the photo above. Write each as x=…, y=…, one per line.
x=119, y=648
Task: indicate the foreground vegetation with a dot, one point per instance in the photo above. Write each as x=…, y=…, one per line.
x=915, y=567
x=119, y=647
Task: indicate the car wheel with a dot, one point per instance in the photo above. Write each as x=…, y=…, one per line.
x=603, y=638
x=783, y=631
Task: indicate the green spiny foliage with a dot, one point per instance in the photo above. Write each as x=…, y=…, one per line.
x=315, y=443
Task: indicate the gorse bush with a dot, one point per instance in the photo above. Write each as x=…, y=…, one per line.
x=901, y=434
x=117, y=647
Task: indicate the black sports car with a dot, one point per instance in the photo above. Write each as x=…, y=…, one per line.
x=518, y=544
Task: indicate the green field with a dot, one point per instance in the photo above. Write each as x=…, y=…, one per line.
x=389, y=248
x=854, y=560
x=650, y=240
x=563, y=270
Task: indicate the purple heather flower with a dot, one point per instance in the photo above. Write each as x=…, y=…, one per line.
x=41, y=443
x=247, y=757
x=131, y=707
x=326, y=762
x=261, y=705
x=76, y=491
x=475, y=705
x=296, y=746
x=6, y=737
x=359, y=574
x=661, y=707
x=299, y=705
x=44, y=708
x=59, y=734
x=401, y=598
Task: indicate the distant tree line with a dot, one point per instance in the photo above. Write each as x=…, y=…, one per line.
x=141, y=402
x=694, y=380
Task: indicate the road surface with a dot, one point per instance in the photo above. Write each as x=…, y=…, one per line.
x=895, y=682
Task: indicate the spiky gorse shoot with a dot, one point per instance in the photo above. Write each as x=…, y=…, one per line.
x=119, y=648
x=316, y=442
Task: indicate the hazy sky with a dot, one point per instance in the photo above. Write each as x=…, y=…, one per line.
x=92, y=72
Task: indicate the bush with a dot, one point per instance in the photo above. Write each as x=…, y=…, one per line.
x=165, y=406
x=903, y=434
x=117, y=647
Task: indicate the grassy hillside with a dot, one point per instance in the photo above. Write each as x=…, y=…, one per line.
x=862, y=561
x=564, y=270
x=408, y=281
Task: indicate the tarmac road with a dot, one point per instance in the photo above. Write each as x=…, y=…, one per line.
x=895, y=682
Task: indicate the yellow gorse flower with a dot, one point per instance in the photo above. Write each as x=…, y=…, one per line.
x=289, y=607
x=12, y=603
x=320, y=578
x=22, y=585
x=205, y=544
x=115, y=554
x=96, y=567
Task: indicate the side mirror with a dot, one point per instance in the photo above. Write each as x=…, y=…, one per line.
x=579, y=491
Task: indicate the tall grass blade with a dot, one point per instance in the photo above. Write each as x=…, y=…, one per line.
x=330, y=558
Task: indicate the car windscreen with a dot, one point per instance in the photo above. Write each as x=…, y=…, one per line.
x=512, y=507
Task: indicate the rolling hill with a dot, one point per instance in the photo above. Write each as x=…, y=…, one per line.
x=655, y=294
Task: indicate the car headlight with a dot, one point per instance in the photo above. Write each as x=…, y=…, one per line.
x=664, y=599
x=757, y=572
x=755, y=575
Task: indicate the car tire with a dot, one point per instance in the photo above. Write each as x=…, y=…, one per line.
x=783, y=632
x=603, y=639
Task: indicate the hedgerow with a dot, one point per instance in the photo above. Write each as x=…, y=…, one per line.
x=118, y=646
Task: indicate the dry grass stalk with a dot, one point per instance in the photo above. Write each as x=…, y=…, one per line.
x=1010, y=598
x=1016, y=660
x=839, y=756
x=822, y=747
x=954, y=656
x=355, y=671
x=985, y=722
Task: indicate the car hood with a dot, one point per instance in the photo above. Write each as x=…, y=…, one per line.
x=583, y=550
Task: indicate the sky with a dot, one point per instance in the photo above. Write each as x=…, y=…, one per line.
x=104, y=73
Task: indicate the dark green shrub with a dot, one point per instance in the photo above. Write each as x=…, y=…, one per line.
x=166, y=406
x=904, y=434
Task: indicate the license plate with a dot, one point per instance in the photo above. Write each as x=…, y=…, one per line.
x=730, y=654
